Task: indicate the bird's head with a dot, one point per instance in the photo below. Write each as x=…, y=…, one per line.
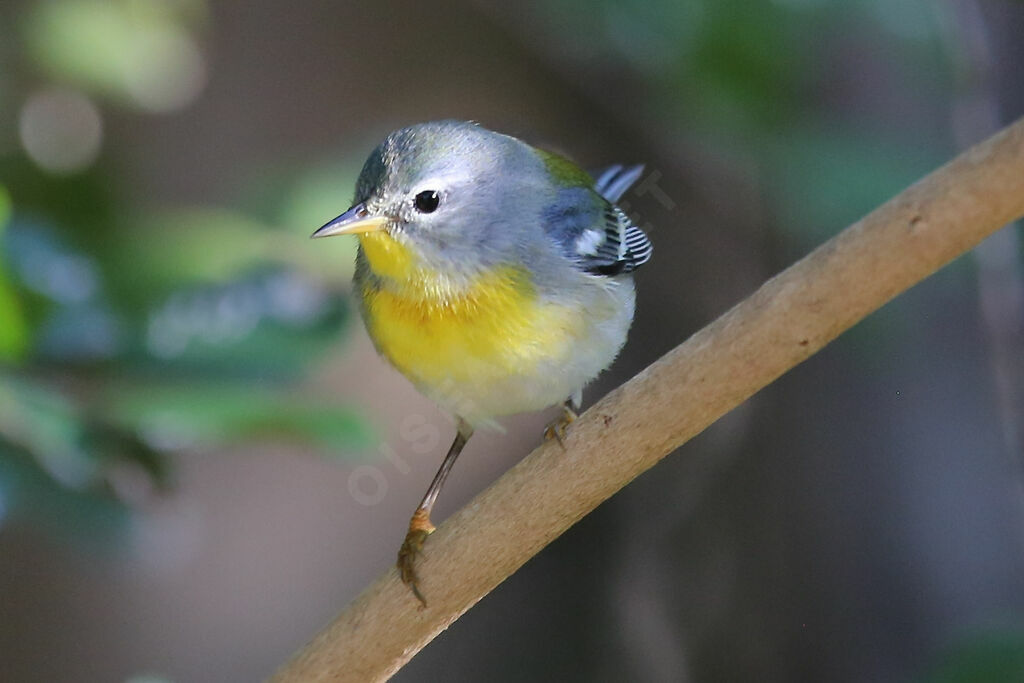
x=446, y=195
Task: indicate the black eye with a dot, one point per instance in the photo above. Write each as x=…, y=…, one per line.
x=427, y=201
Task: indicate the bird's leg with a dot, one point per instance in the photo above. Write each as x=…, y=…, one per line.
x=557, y=428
x=420, y=525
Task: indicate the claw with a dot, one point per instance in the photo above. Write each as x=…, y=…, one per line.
x=419, y=528
x=559, y=428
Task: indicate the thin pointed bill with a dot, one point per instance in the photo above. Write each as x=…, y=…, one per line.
x=355, y=221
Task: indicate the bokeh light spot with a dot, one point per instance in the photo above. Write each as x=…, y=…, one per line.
x=141, y=52
x=61, y=130
x=167, y=71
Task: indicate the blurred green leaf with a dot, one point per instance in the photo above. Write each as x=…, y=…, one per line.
x=44, y=424
x=61, y=294
x=740, y=68
x=825, y=179
x=995, y=656
x=138, y=51
x=180, y=416
x=177, y=304
x=75, y=515
x=88, y=208
x=14, y=336
x=6, y=207
x=301, y=200
x=73, y=448
x=267, y=325
x=167, y=250
x=311, y=199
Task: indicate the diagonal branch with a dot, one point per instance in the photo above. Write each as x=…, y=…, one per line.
x=790, y=317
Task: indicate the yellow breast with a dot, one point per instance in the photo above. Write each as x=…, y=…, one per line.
x=438, y=331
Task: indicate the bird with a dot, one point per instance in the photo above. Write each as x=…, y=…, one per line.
x=496, y=276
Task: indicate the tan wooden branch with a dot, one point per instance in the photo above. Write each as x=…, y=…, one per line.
x=789, y=318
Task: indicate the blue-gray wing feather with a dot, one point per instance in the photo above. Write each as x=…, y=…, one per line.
x=612, y=182
x=592, y=230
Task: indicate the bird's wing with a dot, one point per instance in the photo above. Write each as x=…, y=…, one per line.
x=614, y=245
x=592, y=230
x=612, y=182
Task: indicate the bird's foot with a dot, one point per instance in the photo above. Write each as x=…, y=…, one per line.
x=419, y=528
x=559, y=428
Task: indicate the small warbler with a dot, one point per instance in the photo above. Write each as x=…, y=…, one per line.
x=495, y=276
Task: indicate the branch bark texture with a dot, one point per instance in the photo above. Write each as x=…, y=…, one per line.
x=790, y=317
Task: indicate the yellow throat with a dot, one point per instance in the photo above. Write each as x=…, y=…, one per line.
x=436, y=330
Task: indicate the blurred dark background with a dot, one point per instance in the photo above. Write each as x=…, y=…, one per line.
x=202, y=459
